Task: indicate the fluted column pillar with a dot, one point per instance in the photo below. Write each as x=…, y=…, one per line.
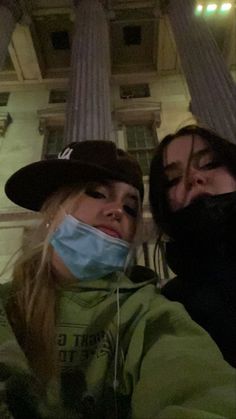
x=212, y=89
x=88, y=110
x=10, y=14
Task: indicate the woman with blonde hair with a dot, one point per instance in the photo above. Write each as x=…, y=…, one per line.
x=81, y=339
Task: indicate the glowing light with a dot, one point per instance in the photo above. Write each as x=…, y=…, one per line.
x=225, y=7
x=211, y=7
x=199, y=8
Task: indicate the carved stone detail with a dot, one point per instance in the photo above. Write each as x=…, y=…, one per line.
x=5, y=120
x=51, y=117
x=136, y=112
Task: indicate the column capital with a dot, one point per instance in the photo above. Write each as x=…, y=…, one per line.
x=161, y=7
x=109, y=12
x=104, y=3
x=14, y=7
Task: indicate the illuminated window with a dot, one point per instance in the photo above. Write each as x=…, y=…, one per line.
x=141, y=142
x=53, y=142
x=134, y=91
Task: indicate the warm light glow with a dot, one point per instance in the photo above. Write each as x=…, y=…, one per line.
x=211, y=7
x=199, y=8
x=225, y=7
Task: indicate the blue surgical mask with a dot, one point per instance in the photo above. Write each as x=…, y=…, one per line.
x=86, y=251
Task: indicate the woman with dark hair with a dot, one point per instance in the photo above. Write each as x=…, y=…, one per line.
x=193, y=201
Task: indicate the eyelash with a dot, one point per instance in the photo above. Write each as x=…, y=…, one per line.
x=211, y=165
x=132, y=212
x=173, y=182
x=208, y=166
x=96, y=194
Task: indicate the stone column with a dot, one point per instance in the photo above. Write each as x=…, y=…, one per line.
x=89, y=110
x=10, y=14
x=212, y=89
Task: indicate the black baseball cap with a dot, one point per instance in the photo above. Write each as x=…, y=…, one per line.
x=94, y=160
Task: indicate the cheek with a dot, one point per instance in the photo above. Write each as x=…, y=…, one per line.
x=85, y=213
x=130, y=230
x=223, y=181
x=174, y=198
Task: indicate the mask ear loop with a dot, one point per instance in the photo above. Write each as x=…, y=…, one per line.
x=115, y=381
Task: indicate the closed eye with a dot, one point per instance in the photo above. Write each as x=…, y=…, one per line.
x=133, y=212
x=95, y=194
x=211, y=165
x=173, y=182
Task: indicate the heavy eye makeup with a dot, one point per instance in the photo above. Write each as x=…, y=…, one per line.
x=202, y=160
x=172, y=177
x=98, y=191
x=207, y=161
x=131, y=208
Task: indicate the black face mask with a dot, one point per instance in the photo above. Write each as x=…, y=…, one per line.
x=203, y=234
x=207, y=215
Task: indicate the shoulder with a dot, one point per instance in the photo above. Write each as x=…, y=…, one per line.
x=140, y=273
x=173, y=289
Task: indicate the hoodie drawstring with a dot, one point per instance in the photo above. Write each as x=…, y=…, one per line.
x=115, y=381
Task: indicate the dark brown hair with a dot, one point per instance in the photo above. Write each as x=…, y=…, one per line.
x=225, y=150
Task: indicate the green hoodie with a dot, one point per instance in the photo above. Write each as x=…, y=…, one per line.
x=125, y=352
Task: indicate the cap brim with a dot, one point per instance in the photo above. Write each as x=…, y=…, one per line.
x=30, y=186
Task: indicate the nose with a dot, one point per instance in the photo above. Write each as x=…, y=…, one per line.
x=195, y=177
x=114, y=211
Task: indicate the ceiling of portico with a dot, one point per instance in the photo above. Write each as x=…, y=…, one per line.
x=34, y=57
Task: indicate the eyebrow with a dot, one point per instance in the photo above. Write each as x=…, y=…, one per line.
x=177, y=164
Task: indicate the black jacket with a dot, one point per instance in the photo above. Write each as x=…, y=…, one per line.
x=212, y=304
x=206, y=269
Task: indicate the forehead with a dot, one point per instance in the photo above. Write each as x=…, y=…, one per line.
x=121, y=187
x=125, y=190
x=181, y=147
